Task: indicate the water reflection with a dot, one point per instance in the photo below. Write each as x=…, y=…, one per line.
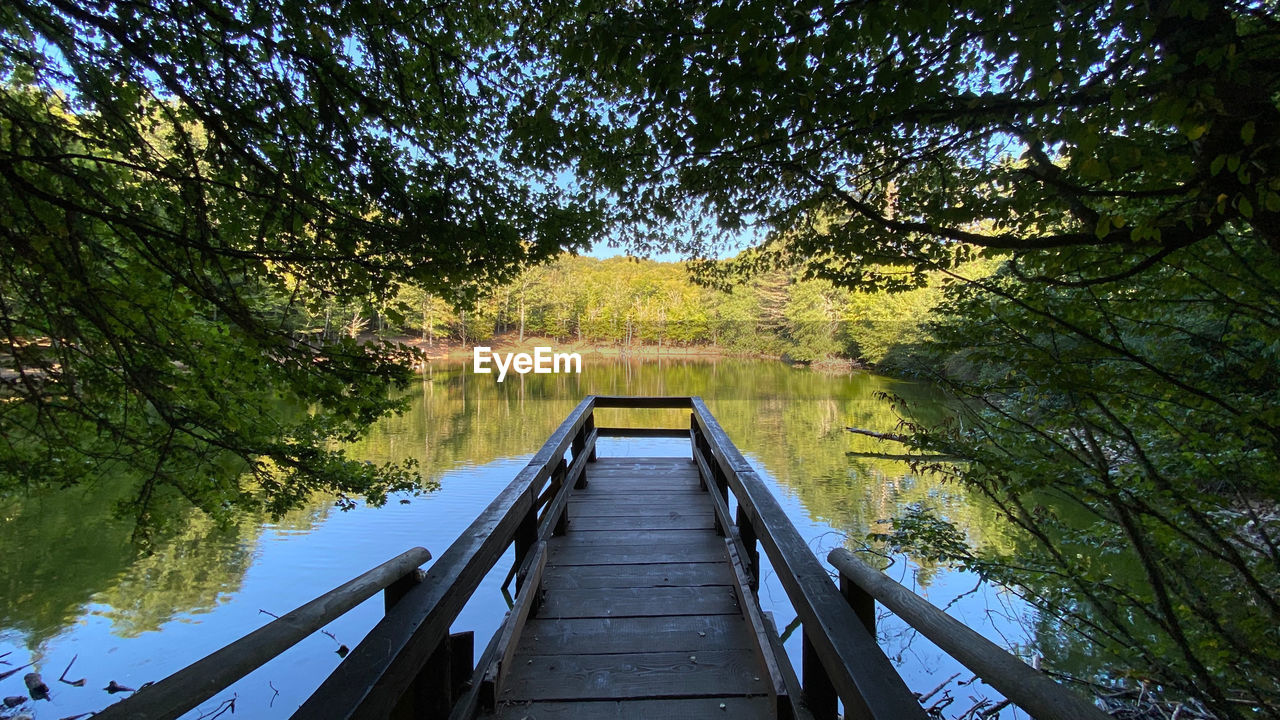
x=70, y=583
x=792, y=420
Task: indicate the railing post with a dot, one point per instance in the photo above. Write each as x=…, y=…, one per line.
x=819, y=693
x=721, y=481
x=557, y=484
x=430, y=695
x=401, y=587
x=580, y=444
x=823, y=694
x=579, y=441
x=462, y=648
x=441, y=681
x=747, y=534
x=717, y=481
x=864, y=606
x=525, y=536
x=696, y=441
x=587, y=427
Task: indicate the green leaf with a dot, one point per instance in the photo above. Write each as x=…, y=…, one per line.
x=1245, y=207
x=1247, y=131
x=1103, y=227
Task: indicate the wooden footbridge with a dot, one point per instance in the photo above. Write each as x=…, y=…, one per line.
x=635, y=599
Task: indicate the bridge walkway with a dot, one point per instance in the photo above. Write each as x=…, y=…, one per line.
x=639, y=612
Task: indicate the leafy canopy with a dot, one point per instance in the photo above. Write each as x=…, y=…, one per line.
x=1116, y=133
x=179, y=183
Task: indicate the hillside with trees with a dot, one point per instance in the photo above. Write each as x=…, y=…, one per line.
x=631, y=304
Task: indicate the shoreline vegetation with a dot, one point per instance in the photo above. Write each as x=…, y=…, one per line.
x=446, y=350
x=628, y=307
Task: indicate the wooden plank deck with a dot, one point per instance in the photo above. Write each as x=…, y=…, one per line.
x=639, y=616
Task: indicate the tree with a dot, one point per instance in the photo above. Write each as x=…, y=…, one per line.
x=1117, y=133
x=1131, y=440
x=1121, y=161
x=812, y=324
x=178, y=186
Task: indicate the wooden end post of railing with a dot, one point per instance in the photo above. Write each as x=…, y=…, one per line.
x=587, y=428
x=1025, y=686
x=401, y=587
x=440, y=681
x=819, y=692
x=864, y=606
x=557, y=483
x=201, y=680
x=696, y=445
x=580, y=445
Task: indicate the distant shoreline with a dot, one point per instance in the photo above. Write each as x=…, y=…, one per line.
x=509, y=342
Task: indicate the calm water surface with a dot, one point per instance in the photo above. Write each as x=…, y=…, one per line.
x=72, y=587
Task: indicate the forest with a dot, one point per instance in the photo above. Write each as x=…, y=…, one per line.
x=629, y=303
x=215, y=217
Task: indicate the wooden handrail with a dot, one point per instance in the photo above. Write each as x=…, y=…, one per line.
x=374, y=677
x=1026, y=687
x=643, y=401
x=633, y=432
x=204, y=678
x=858, y=670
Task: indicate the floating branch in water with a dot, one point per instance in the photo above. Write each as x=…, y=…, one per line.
x=63, y=677
x=7, y=673
x=878, y=435
x=995, y=709
x=901, y=456
x=925, y=697
x=936, y=709
x=226, y=705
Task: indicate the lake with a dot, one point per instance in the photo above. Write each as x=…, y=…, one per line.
x=73, y=587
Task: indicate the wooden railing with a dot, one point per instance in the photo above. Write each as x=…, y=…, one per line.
x=1023, y=685
x=409, y=665
x=187, y=688
x=839, y=658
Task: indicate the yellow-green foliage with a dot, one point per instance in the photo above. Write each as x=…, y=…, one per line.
x=624, y=301
x=884, y=327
